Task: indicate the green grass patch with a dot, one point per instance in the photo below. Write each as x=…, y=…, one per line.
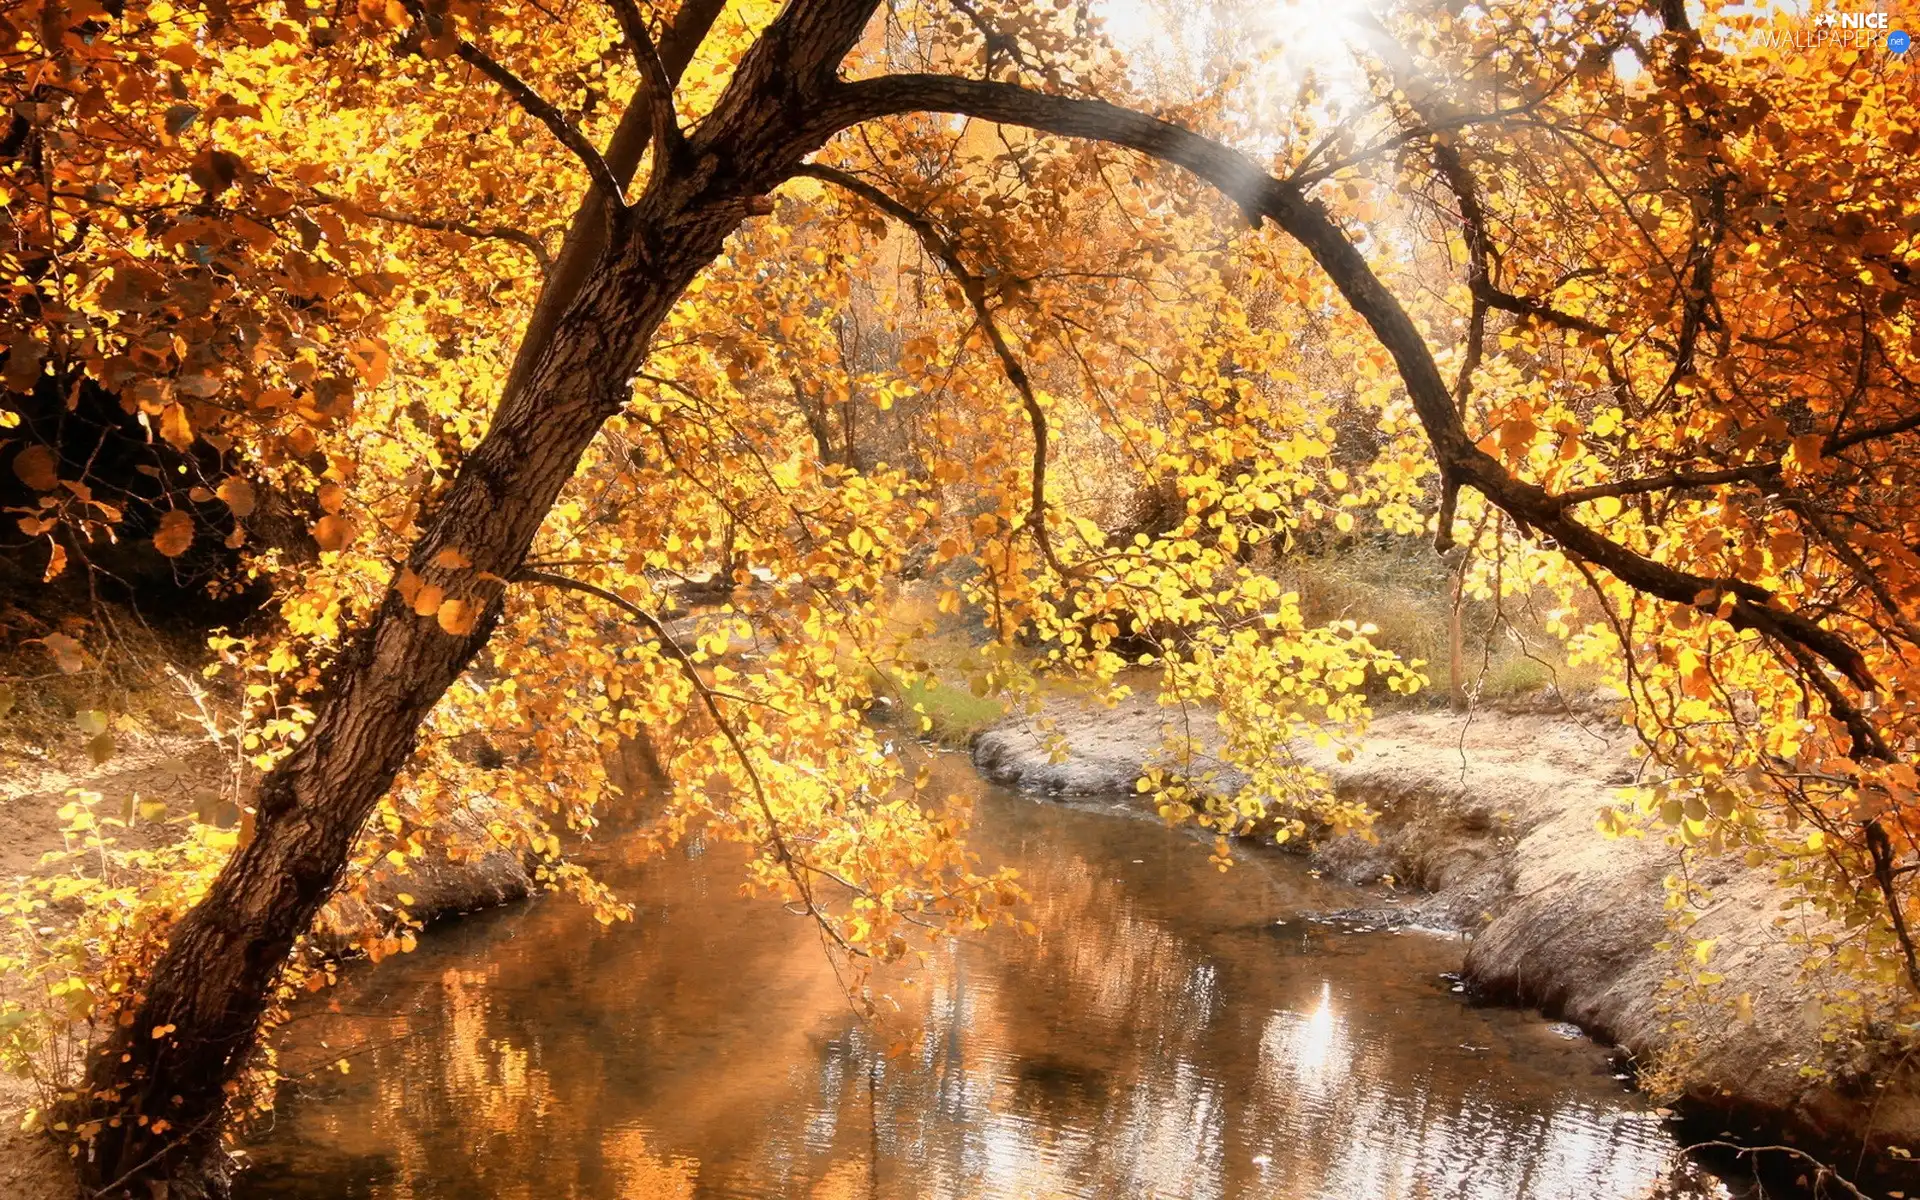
x=952, y=715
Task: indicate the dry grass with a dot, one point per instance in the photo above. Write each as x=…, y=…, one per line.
x=1404, y=590
x=116, y=669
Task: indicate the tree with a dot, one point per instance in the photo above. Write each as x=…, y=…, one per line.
x=1672, y=270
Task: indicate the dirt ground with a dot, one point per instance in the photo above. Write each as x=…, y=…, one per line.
x=160, y=753
x=167, y=760
x=31, y=1166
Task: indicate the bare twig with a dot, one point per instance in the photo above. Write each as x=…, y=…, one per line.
x=1822, y=1173
x=790, y=862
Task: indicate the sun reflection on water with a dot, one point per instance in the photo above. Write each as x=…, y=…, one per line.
x=1307, y=1049
x=1152, y=1041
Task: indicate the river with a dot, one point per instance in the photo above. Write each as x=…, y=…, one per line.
x=1171, y=1031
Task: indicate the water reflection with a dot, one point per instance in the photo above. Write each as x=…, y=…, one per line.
x=1297, y=1051
x=1161, y=1036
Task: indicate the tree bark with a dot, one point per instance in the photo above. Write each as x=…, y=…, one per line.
x=159, y=1086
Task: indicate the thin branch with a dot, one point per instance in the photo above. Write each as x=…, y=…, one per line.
x=792, y=864
x=529, y=100
x=1867, y=742
x=1540, y=310
x=1862, y=570
x=587, y=235
x=996, y=42
x=653, y=73
x=1871, y=433
x=503, y=233
x=1669, y=482
x=1880, y=850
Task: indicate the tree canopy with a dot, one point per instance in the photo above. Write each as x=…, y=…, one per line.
x=479, y=332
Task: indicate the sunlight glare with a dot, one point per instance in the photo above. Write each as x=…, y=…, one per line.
x=1290, y=39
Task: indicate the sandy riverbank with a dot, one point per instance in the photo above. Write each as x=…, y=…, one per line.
x=1491, y=823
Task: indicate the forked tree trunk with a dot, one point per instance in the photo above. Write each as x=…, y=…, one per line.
x=160, y=1085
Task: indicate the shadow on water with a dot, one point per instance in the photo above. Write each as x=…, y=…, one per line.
x=1171, y=1031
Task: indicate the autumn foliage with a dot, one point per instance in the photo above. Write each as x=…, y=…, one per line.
x=480, y=333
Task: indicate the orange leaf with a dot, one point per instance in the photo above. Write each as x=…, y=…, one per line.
x=65, y=651
x=237, y=494
x=174, y=535
x=37, y=468
x=369, y=357
x=458, y=616
x=331, y=532
x=175, y=427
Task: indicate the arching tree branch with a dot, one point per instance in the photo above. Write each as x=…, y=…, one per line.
x=1260, y=196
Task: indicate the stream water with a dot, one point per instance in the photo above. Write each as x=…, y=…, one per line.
x=1172, y=1031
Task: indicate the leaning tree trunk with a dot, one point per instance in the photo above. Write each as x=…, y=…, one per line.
x=160, y=1084
x=197, y=1022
